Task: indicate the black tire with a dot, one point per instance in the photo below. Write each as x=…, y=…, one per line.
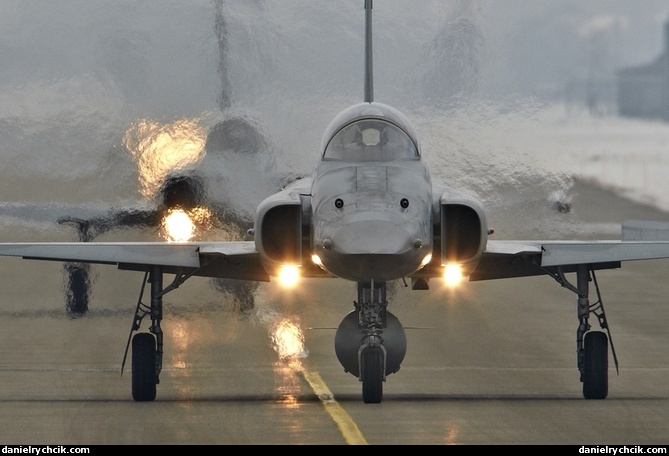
x=371, y=370
x=78, y=289
x=596, y=366
x=144, y=377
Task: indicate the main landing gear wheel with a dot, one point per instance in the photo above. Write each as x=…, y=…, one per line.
x=78, y=290
x=596, y=365
x=371, y=374
x=592, y=347
x=144, y=378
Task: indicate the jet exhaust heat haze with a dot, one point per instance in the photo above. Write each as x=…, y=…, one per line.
x=371, y=213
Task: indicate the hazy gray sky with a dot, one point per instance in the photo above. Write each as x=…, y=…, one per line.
x=525, y=46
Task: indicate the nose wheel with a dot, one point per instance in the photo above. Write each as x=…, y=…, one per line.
x=372, y=320
x=372, y=370
x=370, y=342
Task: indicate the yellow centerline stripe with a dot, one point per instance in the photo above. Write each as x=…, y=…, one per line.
x=349, y=430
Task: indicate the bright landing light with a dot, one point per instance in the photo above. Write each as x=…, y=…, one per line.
x=178, y=226
x=317, y=260
x=452, y=274
x=289, y=275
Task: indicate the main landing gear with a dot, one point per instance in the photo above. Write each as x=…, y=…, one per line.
x=591, y=346
x=147, y=347
x=370, y=342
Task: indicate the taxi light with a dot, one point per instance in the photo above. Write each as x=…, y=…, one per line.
x=426, y=260
x=289, y=275
x=316, y=260
x=452, y=274
x=178, y=226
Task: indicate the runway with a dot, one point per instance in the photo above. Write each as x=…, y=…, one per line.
x=491, y=363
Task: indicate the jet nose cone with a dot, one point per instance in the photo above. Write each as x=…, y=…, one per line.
x=377, y=237
x=379, y=249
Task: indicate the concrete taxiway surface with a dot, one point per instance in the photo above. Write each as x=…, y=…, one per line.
x=490, y=363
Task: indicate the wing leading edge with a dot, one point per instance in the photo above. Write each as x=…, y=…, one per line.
x=233, y=260
x=240, y=259
x=507, y=259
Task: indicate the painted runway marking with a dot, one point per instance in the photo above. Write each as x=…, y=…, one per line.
x=345, y=423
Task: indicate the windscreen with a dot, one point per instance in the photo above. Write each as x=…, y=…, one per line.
x=370, y=140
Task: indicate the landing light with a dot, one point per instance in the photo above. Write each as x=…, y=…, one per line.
x=316, y=260
x=426, y=260
x=178, y=226
x=289, y=275
x=452, y=274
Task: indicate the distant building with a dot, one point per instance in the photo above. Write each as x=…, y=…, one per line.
x=643, y=91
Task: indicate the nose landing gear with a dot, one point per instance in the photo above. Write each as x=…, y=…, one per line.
x=370, y=341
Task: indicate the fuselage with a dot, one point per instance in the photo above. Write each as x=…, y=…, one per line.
x=371, y=197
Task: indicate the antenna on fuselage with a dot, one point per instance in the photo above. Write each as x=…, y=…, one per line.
x=369, y=76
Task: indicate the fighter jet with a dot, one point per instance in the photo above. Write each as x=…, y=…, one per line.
x=181, y=193
x=369, y=215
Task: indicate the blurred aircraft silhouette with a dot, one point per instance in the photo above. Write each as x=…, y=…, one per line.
x=185, y=189
x=369, y=214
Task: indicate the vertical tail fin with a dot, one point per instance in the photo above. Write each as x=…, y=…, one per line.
x=369, y=73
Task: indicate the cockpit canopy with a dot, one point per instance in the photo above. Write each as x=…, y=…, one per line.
x=370, y=132
x=370, y=140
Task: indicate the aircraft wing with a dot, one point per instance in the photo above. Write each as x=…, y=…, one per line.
x=50, y=213
x=240, y=259
x=232, y=260
x=506, y=259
